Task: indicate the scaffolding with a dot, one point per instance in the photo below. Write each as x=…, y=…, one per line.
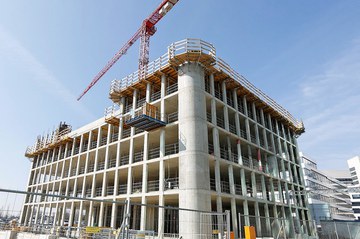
x=51, y=140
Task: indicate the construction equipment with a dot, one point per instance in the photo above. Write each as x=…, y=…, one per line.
x=146, y=30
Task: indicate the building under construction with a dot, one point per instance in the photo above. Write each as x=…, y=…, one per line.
x=192, y=134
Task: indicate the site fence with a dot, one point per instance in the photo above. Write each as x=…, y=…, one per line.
x=339, y=230
x=63, y=217
x=277, y=228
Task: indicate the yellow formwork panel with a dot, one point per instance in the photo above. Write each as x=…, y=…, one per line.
x=250, y=232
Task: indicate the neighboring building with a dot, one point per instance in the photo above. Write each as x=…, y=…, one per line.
x=202, y=138
x=354, y=192
x=341, y=175
x=354, y=189
x=329, y=198
x=354, y=167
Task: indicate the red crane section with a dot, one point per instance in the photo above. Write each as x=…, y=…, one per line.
x=146, y=30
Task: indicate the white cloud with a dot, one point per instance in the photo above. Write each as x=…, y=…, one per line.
x=330, y=101
x=12, y=49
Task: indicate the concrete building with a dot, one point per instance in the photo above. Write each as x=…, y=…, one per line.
x=193, y=134
x=329, y=198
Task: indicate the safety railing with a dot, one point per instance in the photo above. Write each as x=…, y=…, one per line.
x=138, y=156
x=212, y=184
x=136, y=187
x=208, y=116
x=112, y=163
x=100, y=166
x=153, y=185
x=171, y=183
x=154, y=153
x=122, y=189
x=172, y=117
x=126, y=133
x=124, y=160
x=171, y=88
x=171, y=149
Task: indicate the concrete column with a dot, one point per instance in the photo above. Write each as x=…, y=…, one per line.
x=231, y=179
x=194, y=174
x=281, y=195
x=243, y=182
x=212, y=85
x=91, y=207
x=161, y=217
x=71, y=217
x=247, y=125
x=63, y=214
x=234, y=216
x=163, y=93
x=56, y=214
x=246, y=213
x=253, y=184
x=292, y=156
x=257, y=135
x=226, y=114
x=25, y=212
x=271, y=182
x=237, y=119
x=80, y=218
x=267, y=218
x=101, y=214
x=238, y=147
x=215, y=134
x=131, y=148
x=121, y=122
x=143, y=197
x=113, y=215
x=143, y=213
x=249, y=155
x=31, y=214
x=56, y=169
x=228, y=145
x=263, y=186
x=213, y=112
x=217, y=176
x=257, y=219
x=42, y=216
x=97, y=150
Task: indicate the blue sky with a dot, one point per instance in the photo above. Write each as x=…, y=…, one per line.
x=303, y=54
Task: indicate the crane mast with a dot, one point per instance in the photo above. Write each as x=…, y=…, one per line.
x=146, y=30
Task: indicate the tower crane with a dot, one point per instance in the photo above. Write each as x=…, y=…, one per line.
x=146, y=30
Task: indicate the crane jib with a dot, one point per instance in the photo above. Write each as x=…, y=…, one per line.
x=149, y=24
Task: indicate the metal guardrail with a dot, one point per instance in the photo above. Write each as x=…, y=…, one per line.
x=197, y=45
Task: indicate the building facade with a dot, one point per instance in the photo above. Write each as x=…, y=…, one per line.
x=354, y=167
x=329, y=198
x=354, y=189
x=193, y=134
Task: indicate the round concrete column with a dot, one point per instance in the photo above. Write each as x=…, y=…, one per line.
x=194, y=173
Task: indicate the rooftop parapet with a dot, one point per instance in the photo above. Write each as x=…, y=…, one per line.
x=196, y=50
